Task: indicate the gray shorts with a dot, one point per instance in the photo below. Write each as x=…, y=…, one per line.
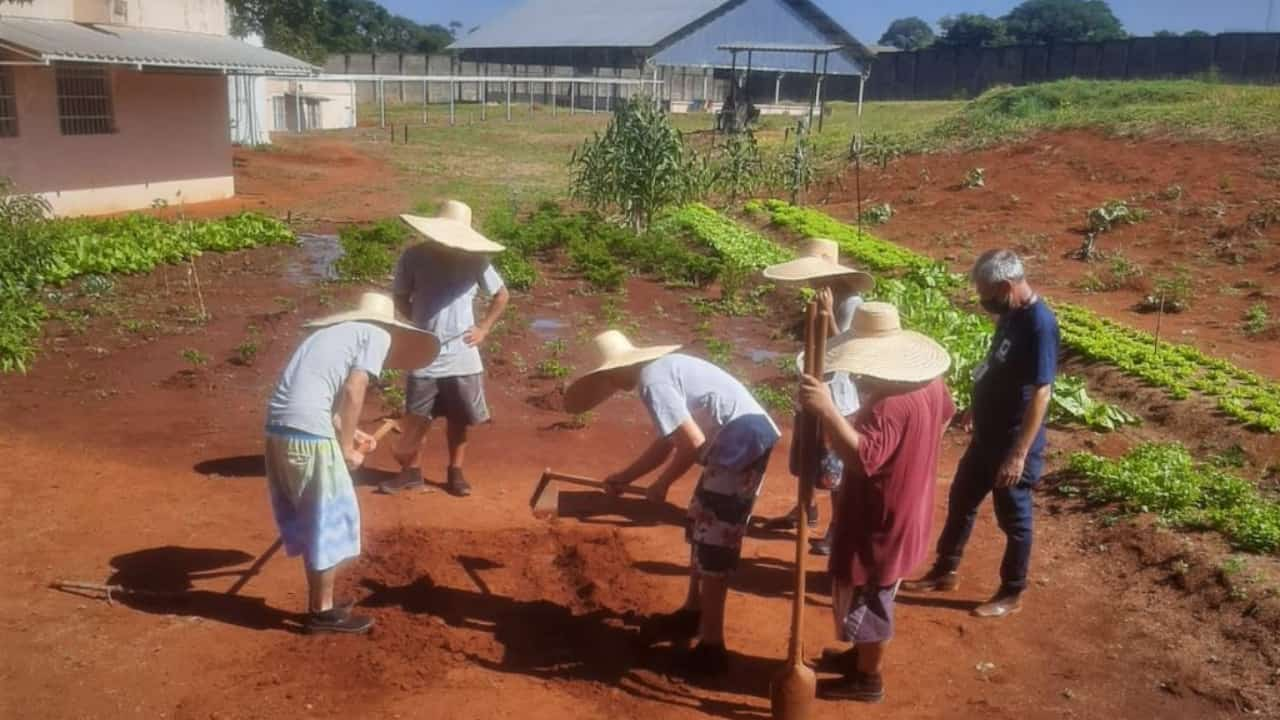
x=457, y=399
x=863, y=614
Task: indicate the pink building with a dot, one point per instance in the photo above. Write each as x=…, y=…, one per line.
x=111, y=105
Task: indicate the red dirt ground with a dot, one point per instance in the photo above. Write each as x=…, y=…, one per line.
x=1223, y=228
x=124, y=465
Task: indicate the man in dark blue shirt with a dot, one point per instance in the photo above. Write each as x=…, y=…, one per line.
x=1006, y=455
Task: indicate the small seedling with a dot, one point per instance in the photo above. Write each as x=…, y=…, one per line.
x=719, y=351
x=195, y=358
x=246, y=352
x=1256, y=319
x=877, y=214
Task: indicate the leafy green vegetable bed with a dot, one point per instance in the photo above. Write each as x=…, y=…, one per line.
x=1178, y=369
x=1163, y=479
x=36, y=252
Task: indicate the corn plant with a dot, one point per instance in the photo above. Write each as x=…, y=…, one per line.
x=741, y=166
x=639, y=165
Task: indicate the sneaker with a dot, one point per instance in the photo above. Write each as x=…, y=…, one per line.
x=936, y=580
x=337, y=620
x=857, y=686
x=408, y=479
x=1005, y=602
x=706, y=660
x=457, y=484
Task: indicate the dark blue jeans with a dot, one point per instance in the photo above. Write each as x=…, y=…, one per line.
x=975, y=479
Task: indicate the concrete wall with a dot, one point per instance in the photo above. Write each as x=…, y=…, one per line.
x=171, y=142
x=337, y=103
x=198, y=16
x=949, y=73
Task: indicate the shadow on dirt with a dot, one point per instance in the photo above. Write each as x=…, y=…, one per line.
x=765, y=577
x=161, y=581
x=549, y=641
x=237, y=466
x=597, y=508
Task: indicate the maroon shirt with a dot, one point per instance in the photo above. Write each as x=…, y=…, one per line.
x=886, y=499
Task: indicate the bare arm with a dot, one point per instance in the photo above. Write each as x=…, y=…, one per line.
x=1011, y=470
x=497, y=306
x=688, y=440
x=815, y=398
x=347, y=415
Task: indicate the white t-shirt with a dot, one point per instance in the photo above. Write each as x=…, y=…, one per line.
x=843, y=392
x=304, y=397
x=678, y=387
x=443, y=286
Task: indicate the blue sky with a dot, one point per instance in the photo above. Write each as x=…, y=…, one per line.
x=867, y=19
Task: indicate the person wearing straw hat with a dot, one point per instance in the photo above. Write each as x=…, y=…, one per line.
x=1011, y=392
x=839, y=291
x=436, y=282
x=312, y=442
x=702, y=415
x=884, y=509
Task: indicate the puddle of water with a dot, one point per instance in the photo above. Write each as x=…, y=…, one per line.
x=760, y=356
x=315, y=262
x=547, y=326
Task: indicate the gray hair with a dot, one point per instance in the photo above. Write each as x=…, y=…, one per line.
x=995, y=266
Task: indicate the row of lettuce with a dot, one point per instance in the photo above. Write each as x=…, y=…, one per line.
x=37, y=253
x=1178, y=369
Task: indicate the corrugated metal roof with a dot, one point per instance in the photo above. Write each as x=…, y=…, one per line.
x=779, y=47
x=62, y=40
x=587, y=23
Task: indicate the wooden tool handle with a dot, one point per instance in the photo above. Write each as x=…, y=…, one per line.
x=590, y=482
x=387, y=426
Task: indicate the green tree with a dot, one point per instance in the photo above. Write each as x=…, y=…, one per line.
x=1164, y=34
x=910, y=33
x=972, y=30
x=291, y=26
x=1196, y=34
x=1037, y=22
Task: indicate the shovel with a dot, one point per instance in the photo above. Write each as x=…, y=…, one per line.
x=792, y=691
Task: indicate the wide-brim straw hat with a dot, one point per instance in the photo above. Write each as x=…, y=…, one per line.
x=820, y=261
x=613, y=352
x=876, y=346
x=452, y=229
x=411, y=347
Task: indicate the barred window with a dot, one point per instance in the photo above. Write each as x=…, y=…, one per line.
x=8, y=104
x=84, y=100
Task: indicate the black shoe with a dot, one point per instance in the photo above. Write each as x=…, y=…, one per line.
x=820, y=546
x=859, y=687
x=682, y=624
x=408, y=479
x=337, y=620
x=833, y=660
x=457, y=485
x=936, y=580
x=791, y=520
x=706, y=660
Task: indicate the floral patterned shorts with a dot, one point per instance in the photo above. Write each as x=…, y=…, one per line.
x=719, y=513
